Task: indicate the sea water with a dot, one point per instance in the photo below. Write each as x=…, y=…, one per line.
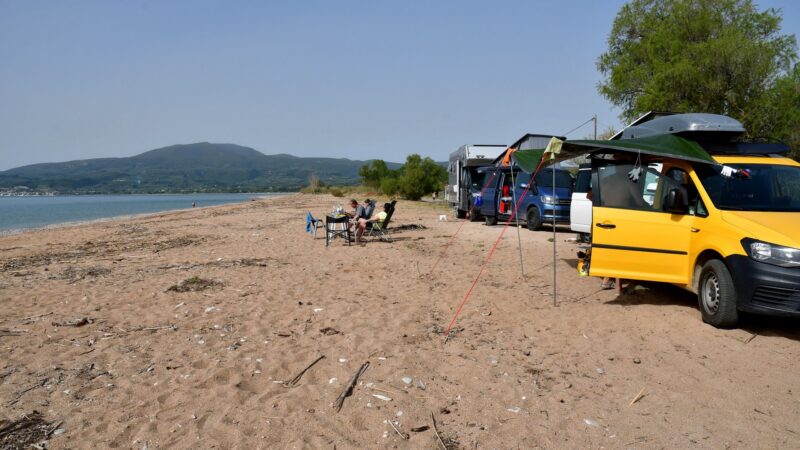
x=19, y=213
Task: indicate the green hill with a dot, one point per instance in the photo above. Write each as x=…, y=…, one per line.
x=202, y=167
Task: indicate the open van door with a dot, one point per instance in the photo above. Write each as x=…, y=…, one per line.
x=639, y=234
x=580, y=213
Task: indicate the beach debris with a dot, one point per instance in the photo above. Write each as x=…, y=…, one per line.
x=329, y=331
x=591, y=423
x=420, y=429
x=169, y=326
x=32, y=319
x=299, y=375
x=195, y=284
x=638, y=397
x=29, y=431
x=343, y=360
x=752, y=336
x=211, y=309
x=397, y=430
x=333, y=380
x=637, y=361
x=600, y=370
x=348, y=390
x=382, y=397
x=75, y=274
x=74, y=323
x=446, y=443
x=407, y=381
x=514, y=410
x=9, y=332
x=316, y=310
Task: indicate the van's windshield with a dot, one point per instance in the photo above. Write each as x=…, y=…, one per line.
x=756, y=187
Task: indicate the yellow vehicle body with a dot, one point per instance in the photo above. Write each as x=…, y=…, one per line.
x=643, y=242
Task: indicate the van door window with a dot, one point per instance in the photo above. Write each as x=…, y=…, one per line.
x=679, y=178
x=619, y=190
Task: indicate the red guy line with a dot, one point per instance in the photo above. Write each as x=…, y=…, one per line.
x=491, y=252
x=452, y=238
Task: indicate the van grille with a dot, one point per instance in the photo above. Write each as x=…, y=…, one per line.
x=777, y=298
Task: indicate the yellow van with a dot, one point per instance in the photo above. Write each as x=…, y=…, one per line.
x=729, y=232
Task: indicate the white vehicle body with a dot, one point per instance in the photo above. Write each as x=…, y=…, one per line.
x=462, y=174
x=580, y=212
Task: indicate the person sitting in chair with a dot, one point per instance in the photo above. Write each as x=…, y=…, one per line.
x=376, y=220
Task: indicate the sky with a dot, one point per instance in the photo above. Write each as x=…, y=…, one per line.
x=345, y=79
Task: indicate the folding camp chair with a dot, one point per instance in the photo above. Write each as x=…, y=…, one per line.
x=379, y=229
x=312, y=224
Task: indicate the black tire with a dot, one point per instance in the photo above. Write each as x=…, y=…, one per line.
x=474, y=216
x=460, y=213
x=534, y=219
x=491, y=220
x=716, y=295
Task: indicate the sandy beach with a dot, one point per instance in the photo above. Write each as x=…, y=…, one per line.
x=185, y=330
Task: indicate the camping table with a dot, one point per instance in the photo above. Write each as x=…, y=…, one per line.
x=337, y=226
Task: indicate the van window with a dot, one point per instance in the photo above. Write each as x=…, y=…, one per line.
x=584, y=181
x=545, y=179
x=680, y=178
x=755, y=187
x=618, y=190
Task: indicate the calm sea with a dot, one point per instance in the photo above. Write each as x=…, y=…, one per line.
x=18, y=213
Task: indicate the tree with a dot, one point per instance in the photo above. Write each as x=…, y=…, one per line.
x=717, y=56
x=371, y=174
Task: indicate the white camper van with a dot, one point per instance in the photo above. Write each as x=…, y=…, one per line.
x=463, y=178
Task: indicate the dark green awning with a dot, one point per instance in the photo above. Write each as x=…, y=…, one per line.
x=666, y=145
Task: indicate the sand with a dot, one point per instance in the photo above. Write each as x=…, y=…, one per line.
x=162, y=362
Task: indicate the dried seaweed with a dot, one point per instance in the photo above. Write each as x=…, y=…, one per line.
x=195, y=284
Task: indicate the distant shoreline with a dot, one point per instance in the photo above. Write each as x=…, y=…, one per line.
x=122, y=217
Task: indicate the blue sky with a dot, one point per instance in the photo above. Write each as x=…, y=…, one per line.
x=359, y=80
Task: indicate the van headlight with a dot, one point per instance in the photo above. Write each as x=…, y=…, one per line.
x=548, y=200
x=771, y=253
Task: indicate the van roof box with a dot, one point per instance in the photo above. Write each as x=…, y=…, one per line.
x=684, y=124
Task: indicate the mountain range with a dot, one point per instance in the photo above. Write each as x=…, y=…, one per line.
x=200, y=167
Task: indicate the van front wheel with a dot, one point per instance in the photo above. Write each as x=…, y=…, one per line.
x=717, y=295
x=533, y=219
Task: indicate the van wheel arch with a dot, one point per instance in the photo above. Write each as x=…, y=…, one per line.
x=701, y=260
x=533, y=219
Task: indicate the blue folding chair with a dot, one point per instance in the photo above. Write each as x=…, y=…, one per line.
x=312, y=224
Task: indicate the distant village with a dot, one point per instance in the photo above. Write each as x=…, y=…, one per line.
x=25, y=191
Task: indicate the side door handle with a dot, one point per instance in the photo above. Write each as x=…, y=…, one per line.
x=606, y=225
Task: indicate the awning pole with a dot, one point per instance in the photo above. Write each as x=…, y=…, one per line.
x=516, y=213
x=554, y=236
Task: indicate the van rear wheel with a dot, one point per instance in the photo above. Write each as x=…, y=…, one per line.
x=533, y=219
x=717, y=296
x=473, y=215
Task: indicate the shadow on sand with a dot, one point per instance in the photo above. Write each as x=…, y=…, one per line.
x=644, y=293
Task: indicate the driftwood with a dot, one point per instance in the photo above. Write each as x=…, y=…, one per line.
x=170, y=326
x=26, y=390
x=74, y=323
x=297, y=377
x=348, y=390
x=402, y=435
x=436, y=431
x=637, y=398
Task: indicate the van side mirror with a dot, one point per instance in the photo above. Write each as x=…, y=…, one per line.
x=676, y=202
